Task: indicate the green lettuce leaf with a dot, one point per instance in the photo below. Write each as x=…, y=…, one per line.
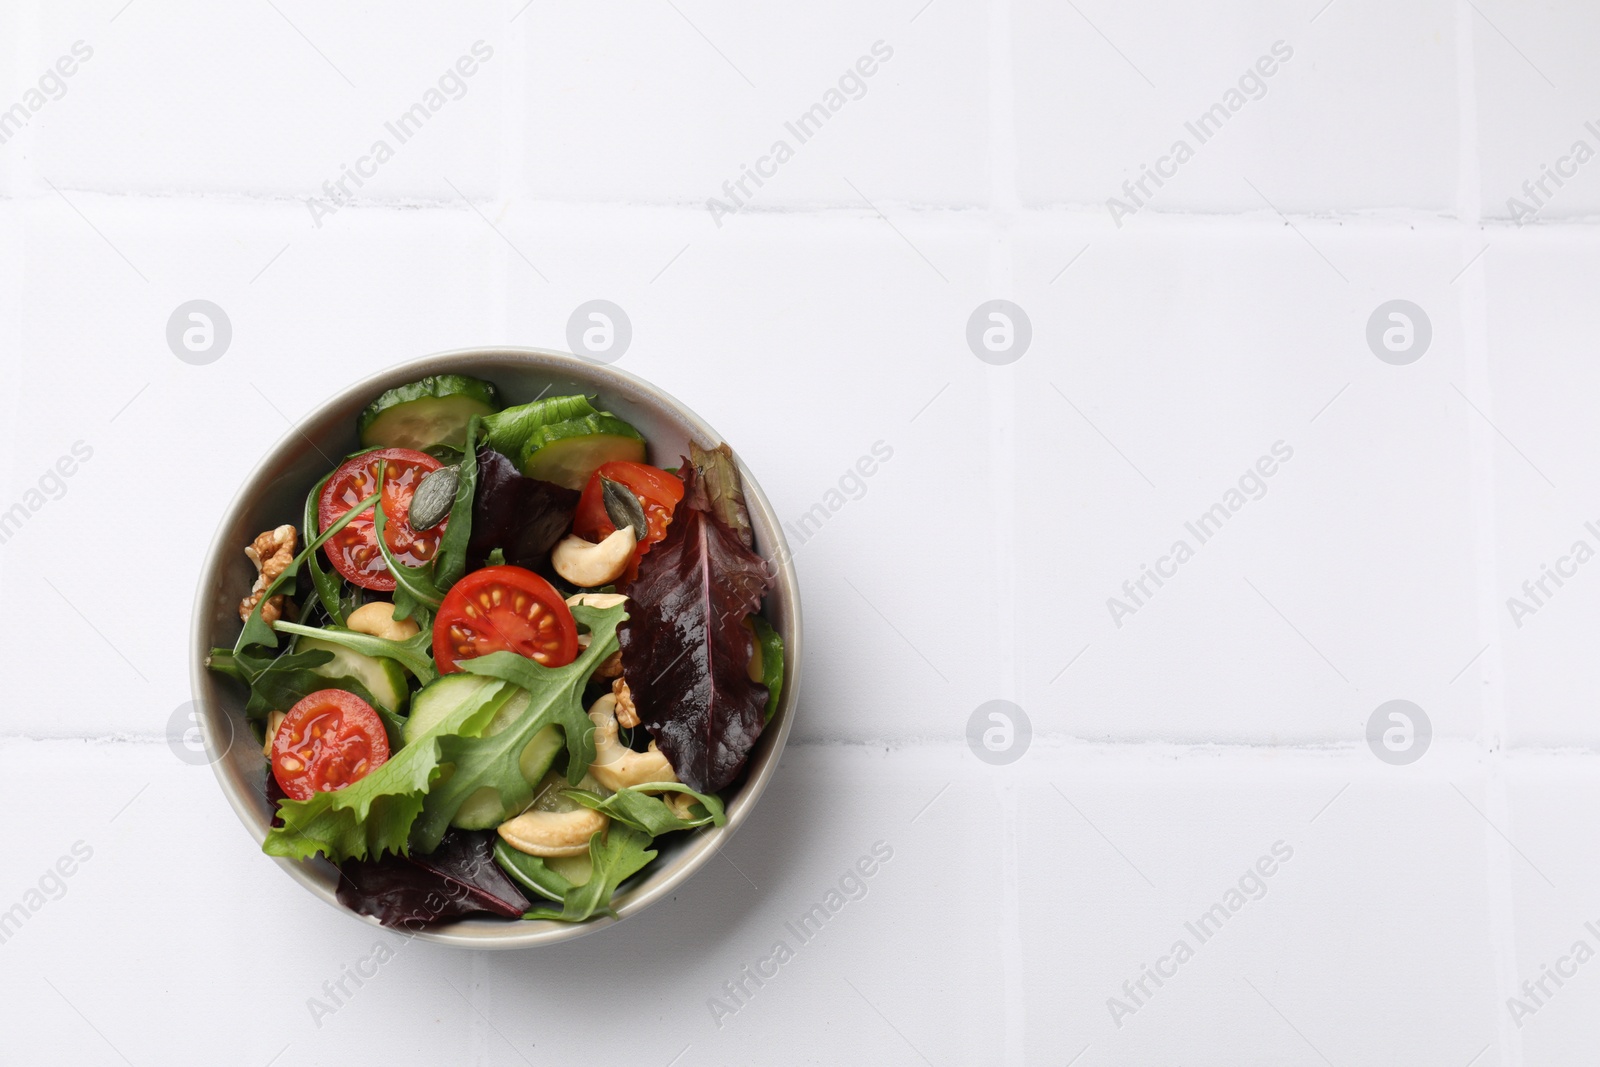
x=556, y=696
x=374, y=815
x=634, y=807
x=615, y=852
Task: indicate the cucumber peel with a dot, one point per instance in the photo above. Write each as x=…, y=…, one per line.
x=568, y=453
x=427, y=413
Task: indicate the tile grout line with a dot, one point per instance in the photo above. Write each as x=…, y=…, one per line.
x=1489, y=671
x=1004, y=206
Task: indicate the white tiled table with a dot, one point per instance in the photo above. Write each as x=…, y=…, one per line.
x=1226, y=716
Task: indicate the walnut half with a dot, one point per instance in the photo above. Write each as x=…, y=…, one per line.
x=271, y=552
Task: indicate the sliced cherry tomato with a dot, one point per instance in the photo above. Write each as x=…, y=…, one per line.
x=658, y=493
x=353, y=551
x=328, y=740
x=504, y=609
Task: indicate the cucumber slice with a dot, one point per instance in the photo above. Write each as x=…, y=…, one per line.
x=508, y=431
x=576, y=870
x=384, y=678
x=483, y=810
x=427, y=413
x=438, y=699
x=531, y=872
x=567, y=453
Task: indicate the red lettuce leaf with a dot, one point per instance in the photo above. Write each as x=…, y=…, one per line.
x=460, y=877
x=523, y=517
x=685, y=654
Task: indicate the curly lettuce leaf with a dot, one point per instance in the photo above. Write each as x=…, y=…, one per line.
x=522, y=517
x=409, y=892
x=615, y=853
x=556, y=696
x=374, y=815
x=719, y=474
x=685, y=650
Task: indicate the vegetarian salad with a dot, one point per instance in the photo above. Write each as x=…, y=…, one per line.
x=510, y=656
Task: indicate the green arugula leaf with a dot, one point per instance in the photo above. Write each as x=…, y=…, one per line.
x=414, y=653
x=375, y=815
x=615, y=852
x=256, y=631
x=451, y=562
x=326, y=585
x=279, y=683
x=556, y=696
x=413, y=586
x=634, y=807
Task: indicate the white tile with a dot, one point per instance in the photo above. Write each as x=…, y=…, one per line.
x=1168, y=366
x=1359, y=110
x=668, y=102
x=1544, y=488
x=275, y=100
x=1532, y=87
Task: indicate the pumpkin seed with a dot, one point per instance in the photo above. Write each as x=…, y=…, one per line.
x=622, y=507
x=435, y=496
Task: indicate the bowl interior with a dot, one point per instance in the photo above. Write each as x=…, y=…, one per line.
x=275, y=494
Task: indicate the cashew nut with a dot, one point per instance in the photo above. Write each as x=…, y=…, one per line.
x=274, y=720
x=596, y=600
x=680, y=804
x=618, y=767
x=377, y=620
x=588, y=564
x=553, y=833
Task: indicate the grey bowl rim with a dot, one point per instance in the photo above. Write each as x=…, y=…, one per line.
x=763, y=764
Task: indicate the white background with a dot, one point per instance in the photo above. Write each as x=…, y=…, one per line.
x=1170, y=352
